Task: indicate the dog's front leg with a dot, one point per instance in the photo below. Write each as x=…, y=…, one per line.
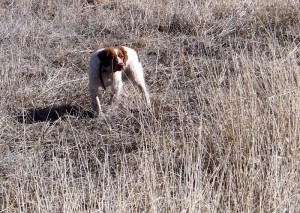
x=94, y=94
x=117, y=86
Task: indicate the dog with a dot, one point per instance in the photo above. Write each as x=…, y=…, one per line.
x=111, y=67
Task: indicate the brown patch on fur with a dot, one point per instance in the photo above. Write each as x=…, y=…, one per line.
x=122, y=54
x=107, y=57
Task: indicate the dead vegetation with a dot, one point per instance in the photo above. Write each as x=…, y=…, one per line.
x=223, y=134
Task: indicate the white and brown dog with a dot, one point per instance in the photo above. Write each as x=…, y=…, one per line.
x=109, y=67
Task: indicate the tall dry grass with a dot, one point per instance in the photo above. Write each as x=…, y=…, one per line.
x=223, y=134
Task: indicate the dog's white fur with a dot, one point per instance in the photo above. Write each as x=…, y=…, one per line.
x=113, y=75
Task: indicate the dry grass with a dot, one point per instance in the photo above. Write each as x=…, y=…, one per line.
x=223, y=135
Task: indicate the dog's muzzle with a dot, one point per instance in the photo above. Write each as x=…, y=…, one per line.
x=119, y=67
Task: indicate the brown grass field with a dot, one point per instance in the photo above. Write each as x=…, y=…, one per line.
x=222, y=134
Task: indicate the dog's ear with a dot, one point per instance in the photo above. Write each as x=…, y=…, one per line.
x=124, y=52
x=104, y=57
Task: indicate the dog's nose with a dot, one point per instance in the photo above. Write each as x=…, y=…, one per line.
x=120, y=66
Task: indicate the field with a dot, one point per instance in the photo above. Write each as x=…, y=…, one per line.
x=223, y=131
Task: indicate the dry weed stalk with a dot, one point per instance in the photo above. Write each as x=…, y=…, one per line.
x=224, y=133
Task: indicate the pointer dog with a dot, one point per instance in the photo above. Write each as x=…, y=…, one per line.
x=109, y=67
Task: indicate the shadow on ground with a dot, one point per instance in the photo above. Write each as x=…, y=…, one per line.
x=51, y=114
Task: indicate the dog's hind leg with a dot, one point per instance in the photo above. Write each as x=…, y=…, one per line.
x=139, y=80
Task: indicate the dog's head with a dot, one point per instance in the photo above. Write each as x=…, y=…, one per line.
x=113, y=59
